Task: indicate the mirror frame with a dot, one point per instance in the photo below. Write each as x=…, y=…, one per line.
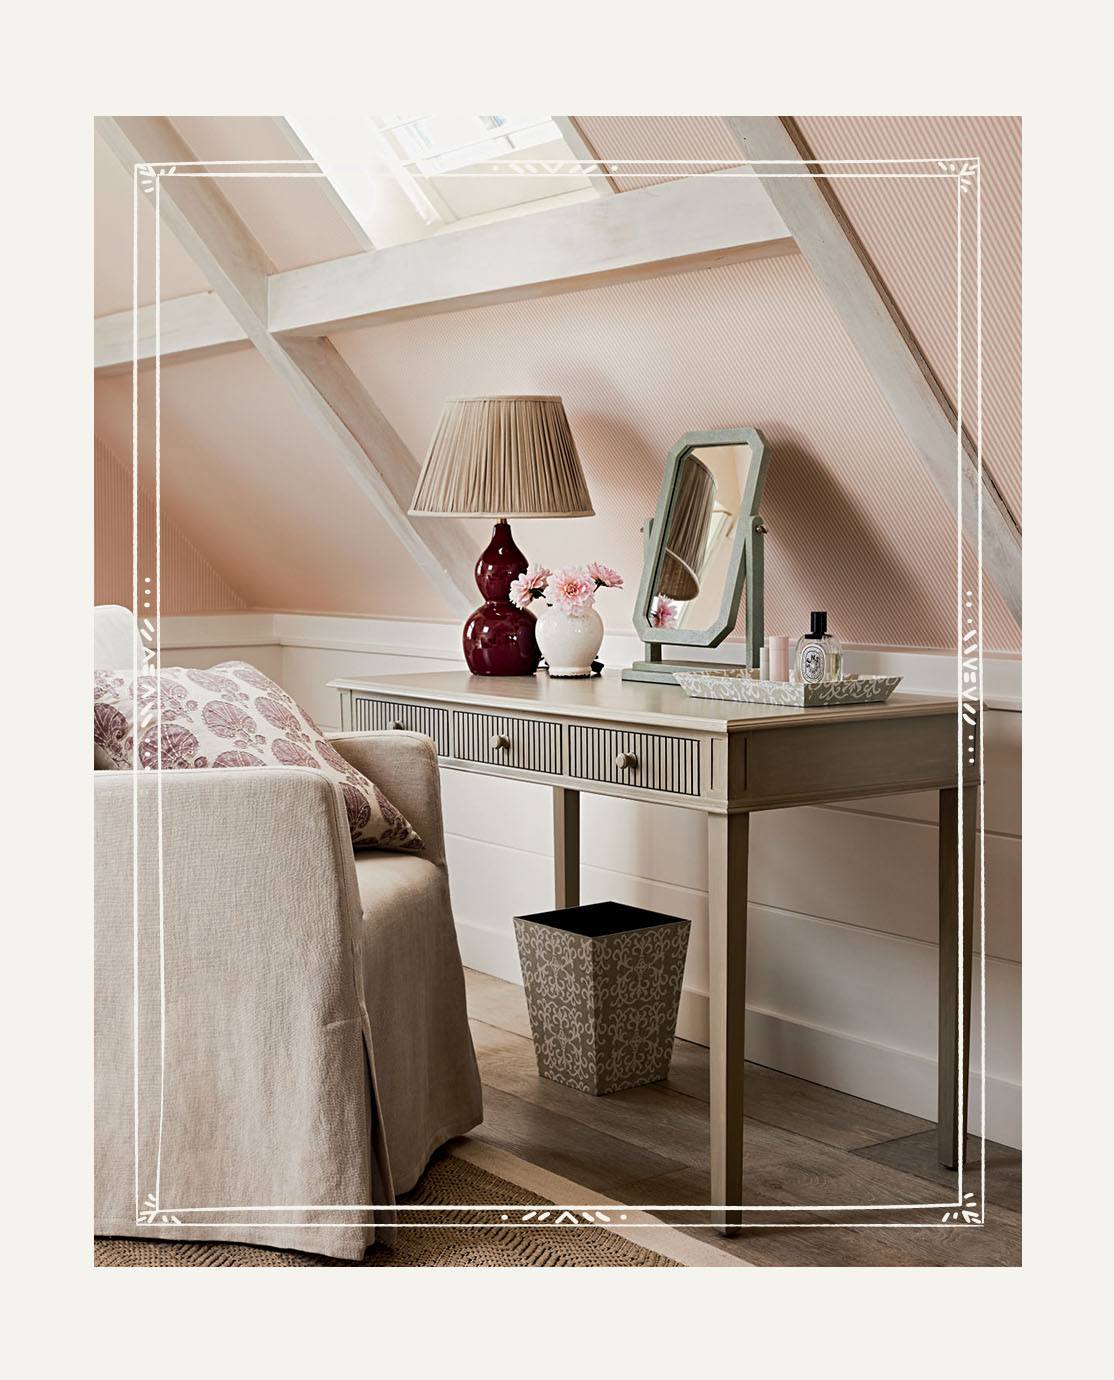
x=655, y=538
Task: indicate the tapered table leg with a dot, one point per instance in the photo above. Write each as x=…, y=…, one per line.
x=728, y=846
x=955, y=971
x=566, y=848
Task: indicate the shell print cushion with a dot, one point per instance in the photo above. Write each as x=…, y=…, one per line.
x=234, y=716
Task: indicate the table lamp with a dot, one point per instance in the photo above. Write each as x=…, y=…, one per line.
x=502, y=457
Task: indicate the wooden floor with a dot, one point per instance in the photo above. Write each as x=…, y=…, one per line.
x=804, y=1144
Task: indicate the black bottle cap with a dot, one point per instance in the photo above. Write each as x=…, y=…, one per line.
x=819, y=624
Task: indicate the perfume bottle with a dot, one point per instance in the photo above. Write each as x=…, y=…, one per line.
x=818, y=656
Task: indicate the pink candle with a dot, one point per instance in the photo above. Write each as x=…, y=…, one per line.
x=779, y=658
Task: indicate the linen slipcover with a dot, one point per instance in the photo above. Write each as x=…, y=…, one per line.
x=296, y=1019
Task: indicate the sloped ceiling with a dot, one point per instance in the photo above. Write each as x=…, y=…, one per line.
x=112, y=244
x=908, y=227
x=855, y=525
x=190, y=582
x=703, y=141
x=248, y=479
x=290, y=214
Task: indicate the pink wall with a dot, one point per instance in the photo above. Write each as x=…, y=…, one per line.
x=190, y=584
x=112, y=243
x=855, y=525
x=291, y=217
x=908, y=227
x=250, y=480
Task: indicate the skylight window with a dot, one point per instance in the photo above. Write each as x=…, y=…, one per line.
x=433, y=144
x=405, y=177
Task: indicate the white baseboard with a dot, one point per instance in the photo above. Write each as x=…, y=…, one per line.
x=878, y=1073
x=489, y=951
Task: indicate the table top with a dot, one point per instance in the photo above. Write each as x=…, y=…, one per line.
x=609, y=697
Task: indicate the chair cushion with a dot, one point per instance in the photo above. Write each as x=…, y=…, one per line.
x=233, y=716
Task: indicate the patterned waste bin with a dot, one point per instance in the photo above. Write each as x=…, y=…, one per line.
x=602, y=987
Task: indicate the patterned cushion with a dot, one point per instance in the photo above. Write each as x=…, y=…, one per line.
x=234, y=716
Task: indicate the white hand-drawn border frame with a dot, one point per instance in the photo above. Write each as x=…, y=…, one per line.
x=967, y=1210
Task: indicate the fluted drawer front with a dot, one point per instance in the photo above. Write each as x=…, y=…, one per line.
x=375, y=715
x=503, y=741
x=654, y=761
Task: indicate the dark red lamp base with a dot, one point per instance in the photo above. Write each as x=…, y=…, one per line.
x=499, y=638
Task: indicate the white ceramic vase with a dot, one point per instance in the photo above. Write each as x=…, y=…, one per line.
x=569, y=643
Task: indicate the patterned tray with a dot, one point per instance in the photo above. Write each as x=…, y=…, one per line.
x=733, y=683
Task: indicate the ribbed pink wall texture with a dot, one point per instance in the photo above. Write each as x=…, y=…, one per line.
x=250, y=479
x=909, y=228
x=291, y=217
x=112, y=243
x=703, y=142
x=189, y=582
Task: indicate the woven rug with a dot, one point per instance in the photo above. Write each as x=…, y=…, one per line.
x=465, y=1174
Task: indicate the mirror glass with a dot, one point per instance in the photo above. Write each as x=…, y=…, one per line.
x=705, y=514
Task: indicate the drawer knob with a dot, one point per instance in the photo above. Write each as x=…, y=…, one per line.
x=625, y=761
x=499, y=742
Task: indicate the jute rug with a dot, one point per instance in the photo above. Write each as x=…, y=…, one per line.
x=469, y=1172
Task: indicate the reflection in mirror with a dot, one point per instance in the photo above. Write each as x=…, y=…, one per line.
x=695, y=565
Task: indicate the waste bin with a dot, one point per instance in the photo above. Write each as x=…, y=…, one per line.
x=602, y=986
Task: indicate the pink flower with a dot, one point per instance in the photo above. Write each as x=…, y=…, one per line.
x=571, y=590
x=604, y=576
x=664, y=612
x=530, y=585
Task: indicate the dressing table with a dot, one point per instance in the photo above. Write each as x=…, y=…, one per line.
x=649, y=741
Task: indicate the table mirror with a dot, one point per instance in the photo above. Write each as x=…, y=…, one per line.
x=703, y=550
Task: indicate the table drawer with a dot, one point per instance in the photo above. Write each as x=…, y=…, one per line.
x=653, y=761
x=375, y=715
x=503, y=741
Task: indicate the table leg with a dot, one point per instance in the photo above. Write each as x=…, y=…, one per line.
x=728, y=846
x=566, y=848
x=955, y=971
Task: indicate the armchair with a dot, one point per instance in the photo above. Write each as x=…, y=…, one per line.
x=280, y=1027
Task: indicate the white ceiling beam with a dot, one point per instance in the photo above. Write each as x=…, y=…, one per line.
x=690, y=223
x=190, y=326
x=209, y=230
x=853, y=286
x=663, y=229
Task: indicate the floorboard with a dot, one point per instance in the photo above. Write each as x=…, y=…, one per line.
x=566, y=1147
x=917, y=1155
x=804, y=1144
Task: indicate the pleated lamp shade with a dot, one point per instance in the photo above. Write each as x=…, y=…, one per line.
x=502, y=458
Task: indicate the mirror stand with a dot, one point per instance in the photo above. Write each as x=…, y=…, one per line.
x=656, y=668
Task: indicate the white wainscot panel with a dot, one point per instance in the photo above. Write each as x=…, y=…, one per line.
x=307, y=671
x=842, y=970
x=1002, y=748
x=266, y=658
x=863, y=870
x=876, y=872
x=839, y=1005
x=660, y=842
